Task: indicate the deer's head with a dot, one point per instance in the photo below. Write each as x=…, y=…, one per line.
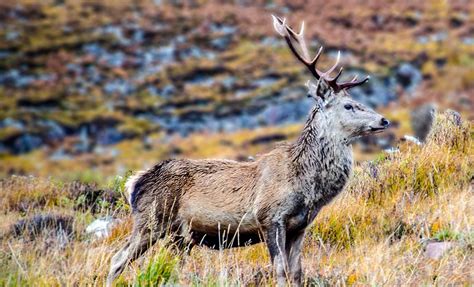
x=341, y=113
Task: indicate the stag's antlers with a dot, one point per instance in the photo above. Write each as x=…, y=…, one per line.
x=284, y=30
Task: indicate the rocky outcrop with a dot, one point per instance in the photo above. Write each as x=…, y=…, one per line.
x=422, y=119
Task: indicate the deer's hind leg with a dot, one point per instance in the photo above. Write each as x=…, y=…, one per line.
x=144, y=235
x=181, y=236
x=136, y=245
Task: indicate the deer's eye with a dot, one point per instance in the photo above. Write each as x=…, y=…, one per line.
x=348, y=107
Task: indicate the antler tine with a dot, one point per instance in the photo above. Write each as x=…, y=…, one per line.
x=334, y=80
x=278, y=24
x=288, y=33
x=328, y=72
x=354, y=83
x=299, y=38
x=316, y=58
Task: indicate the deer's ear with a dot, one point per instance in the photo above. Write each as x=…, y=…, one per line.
x=319, y=91
x=321, y=104
x=312, y=88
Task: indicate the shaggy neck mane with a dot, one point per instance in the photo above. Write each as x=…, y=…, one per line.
x=316, y=138
x=321, y=158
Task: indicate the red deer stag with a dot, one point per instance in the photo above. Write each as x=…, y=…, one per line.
x=225, y=203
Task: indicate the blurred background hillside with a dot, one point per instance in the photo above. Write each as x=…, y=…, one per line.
x=91, y=89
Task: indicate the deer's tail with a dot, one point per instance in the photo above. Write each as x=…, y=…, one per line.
x=130, y=185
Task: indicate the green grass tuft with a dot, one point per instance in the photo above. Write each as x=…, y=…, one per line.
x=161, y=269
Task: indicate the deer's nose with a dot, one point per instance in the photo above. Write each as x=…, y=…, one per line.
x=384, y=122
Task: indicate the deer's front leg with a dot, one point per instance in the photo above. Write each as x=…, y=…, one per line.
x=276, y=243
x=295, y=244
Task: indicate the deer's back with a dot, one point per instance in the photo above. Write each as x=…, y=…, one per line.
x=214, y=185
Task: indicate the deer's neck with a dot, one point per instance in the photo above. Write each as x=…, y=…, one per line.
x=322, y=160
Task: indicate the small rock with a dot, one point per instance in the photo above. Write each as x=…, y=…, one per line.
x=412, y=139
x=102, y=227
x=436, y=250
x=26, y=143
x=12, y=123
x=59, y=155
x=422, y=119
x=168, y=90
x=84, y=142
x=109, y=136
x=408, y=76
x=392, y=150
x=52, y=130
x=221, y=43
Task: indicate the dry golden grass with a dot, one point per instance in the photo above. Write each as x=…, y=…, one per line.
x=375, y=233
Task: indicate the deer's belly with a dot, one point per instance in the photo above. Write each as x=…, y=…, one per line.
x=212, y=219
x=222, y=241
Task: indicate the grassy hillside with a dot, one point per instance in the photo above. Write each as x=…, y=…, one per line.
x=91, y=91
x=374, y=233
